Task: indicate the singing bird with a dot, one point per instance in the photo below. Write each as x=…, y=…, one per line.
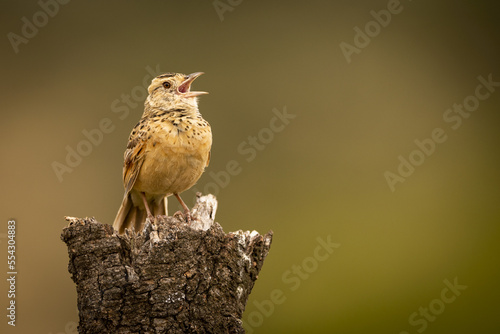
x=166, y=153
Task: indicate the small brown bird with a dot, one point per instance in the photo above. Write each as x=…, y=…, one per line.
x=167, y=151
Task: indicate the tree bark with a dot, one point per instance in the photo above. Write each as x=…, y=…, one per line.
x=174, y=277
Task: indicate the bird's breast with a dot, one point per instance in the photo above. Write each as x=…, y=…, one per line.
x=176, y=155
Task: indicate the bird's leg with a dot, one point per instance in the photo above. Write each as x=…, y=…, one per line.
x=150, y=216
x=187, y=213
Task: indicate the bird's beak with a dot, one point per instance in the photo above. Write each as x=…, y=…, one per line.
x=185, y=86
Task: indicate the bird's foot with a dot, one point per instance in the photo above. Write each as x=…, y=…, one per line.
x=187, y=213
x=185, y=216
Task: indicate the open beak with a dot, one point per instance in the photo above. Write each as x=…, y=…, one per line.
x=185, y=87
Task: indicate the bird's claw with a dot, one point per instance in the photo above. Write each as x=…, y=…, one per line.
x=186, y=216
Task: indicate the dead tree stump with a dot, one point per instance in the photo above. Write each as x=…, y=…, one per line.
x=174, y=277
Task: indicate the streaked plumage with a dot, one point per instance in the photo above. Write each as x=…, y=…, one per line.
x=167, y=150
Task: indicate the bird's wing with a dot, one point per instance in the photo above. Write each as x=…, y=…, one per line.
x=134, y=158
x=209, y=144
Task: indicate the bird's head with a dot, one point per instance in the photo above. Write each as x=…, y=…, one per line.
x=173, y=89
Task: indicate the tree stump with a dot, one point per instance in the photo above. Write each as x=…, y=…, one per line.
x=173, y=277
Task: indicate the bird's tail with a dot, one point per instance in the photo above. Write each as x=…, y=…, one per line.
x=129, y=215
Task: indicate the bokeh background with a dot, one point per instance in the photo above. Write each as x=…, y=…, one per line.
x=322, y=176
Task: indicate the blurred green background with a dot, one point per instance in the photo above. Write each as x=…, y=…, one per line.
x=320, y=176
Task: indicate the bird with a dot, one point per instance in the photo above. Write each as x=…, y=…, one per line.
x=167, y=151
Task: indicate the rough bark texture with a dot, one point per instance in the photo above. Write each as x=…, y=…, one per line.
x=173, y=277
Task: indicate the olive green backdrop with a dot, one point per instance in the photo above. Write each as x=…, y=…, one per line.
x=314, y=107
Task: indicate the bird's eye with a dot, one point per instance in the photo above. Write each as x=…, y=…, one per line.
x=167, y=84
